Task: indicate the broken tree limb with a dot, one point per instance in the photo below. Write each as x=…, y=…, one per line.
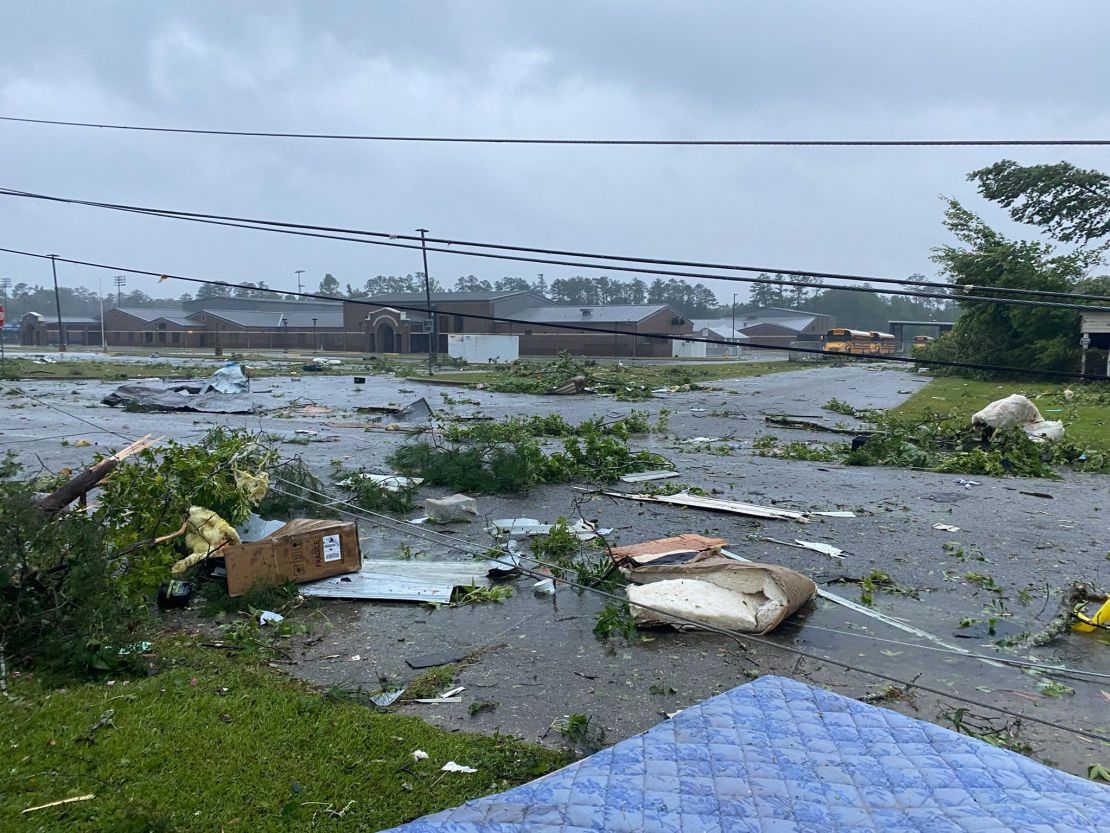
x=82, y=483
x=58, y=803
x=807, y=425
x=1073, y=596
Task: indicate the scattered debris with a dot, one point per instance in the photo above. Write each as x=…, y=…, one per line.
x=269, y=617
x=528, y=527
x=661, y=551
x=403, y=581
x=436, y=659
x=946, y=528
x=808, y=425
x=418, y=411
x=1016, y=411
x=645, y=476
x=79, y=485
x=835, y=514
x=58, y=803
x=231, y=378
x=388, y=482
x=419, y=755
x=874, y=614
x=300, y=551
x=544, y=587
x=710, y=588
x=824, y=549
x=967, y=484
x=384, y=699
x=451, y=766
x=457, y=507
x=716, y=505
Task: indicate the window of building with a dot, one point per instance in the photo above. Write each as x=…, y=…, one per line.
x=460, y=324
x=148, y=338
x=176, y=338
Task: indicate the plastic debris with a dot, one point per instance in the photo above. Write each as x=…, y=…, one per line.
x=268, y=617
x=419, y=755
x=386, y=698
x=452, y=692
x=946, y=528
x=967, y=484
x=451, y=766
x=836, y=514
x=544, y=587
x=644, y=476
x=824, y=549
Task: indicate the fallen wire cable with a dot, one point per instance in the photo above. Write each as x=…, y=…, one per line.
x=736, y=635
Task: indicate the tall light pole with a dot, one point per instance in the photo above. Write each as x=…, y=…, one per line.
x=298, y=273
x=120, y=281
x=58, y=305
x=733, y=339
x=100, y=297
x=432, y=336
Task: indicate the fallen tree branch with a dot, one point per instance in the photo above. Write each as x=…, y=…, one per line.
x=1078, y=593
x=82, y=483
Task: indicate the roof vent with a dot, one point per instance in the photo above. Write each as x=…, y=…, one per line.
x=586, y=312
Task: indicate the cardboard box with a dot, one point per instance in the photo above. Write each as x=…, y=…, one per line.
x=302, y=550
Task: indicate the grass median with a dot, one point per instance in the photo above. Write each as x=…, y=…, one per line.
x=212, y=741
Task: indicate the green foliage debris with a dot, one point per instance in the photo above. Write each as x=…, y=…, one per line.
x=509, y=456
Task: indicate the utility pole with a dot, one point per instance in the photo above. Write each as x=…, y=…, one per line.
x=100, y=297
x=120, y=281
x=300, y=287
x=428, y=300
x=58, y=305
x=732, y=338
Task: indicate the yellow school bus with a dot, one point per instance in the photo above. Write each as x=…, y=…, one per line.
x=859, y=342
x=921, y=342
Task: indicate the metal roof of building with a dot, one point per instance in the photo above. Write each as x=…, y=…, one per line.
x=443, y=297
x=301, y=319
x=611, y=314
x=150, y=313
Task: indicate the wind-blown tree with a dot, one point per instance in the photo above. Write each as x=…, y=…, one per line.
x=329, y=285
x=1071, y=204
x=1025, y=337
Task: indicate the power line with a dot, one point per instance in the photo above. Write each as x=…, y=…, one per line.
x=382, y=238
x=1060, y=374
x=505, y=140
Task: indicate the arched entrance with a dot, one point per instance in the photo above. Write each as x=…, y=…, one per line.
x=386, y=339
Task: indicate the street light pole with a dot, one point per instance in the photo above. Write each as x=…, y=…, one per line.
x=100, y=298
x=58, y=305
x=432, y=336
x=298, y=273
x=733, y=337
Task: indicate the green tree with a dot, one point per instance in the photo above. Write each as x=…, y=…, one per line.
x=329, y=286
x=469, y=283
x=1026, y=337
x=508, y=284
x=1071, y=204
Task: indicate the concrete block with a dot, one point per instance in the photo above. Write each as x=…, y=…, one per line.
x=453, y=508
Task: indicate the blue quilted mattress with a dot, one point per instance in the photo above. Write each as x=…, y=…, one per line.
x=779, y=756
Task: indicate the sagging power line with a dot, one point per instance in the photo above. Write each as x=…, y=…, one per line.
x=387, y=239
x=507, y=140
x=382, y=238
x=1059, y=374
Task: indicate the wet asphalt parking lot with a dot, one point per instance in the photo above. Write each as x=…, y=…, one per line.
x=537, y=658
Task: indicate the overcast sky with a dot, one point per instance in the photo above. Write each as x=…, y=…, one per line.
x=783, y=70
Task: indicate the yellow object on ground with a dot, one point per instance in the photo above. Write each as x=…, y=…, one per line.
x=1086, y=624
x=205, y=532
x=254, y=485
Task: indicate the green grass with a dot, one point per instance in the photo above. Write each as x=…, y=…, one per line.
x=653, y=375
x=216, y=743
x=1086, y=417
